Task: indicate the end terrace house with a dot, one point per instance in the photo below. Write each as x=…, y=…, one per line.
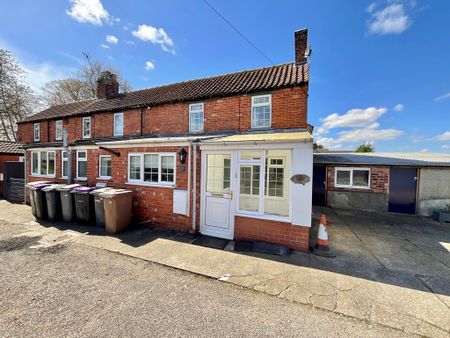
x=214, y=155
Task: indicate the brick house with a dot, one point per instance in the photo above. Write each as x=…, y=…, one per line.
x=9, y=151
x=213, y=155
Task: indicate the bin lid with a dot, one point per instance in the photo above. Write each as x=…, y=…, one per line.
x=67, y=187
x=32, y=184
x=100, y=191
x=39, y=186
x=82, y=190
x=111, y=193
x=51, y=187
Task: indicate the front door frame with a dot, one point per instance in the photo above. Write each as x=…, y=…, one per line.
x=203, y=228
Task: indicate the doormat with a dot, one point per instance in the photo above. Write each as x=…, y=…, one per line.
x=211, y=242
x=261, y=247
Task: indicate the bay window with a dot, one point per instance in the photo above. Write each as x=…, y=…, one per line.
x=264, y=182
x=152, y=168
x=354, y=178
x=81, y=164
x=43, y=163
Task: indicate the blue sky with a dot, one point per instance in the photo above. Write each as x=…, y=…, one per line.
x=380, y=70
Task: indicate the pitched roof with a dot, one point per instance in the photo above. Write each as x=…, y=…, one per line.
x=390, y=159
x=279, y=76
x=10, y=147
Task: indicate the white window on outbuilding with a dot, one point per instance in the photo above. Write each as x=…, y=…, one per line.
x=86, y=126
x=37, y=132
x=152, y=168
x=81, y=164
x=118, y=124
x=261, y=111
x=104, y=166
x=353, y=178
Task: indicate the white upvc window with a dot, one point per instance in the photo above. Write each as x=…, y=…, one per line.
x=43, y=163
x=196, y=117
x=354, y=178
x=264, y=183
x=118, y=124
x=152, y=168
x=64, y=164
x=86, y=127
x=104, y=166
x=58, y=130
x=262, y=111
x=81, y=164
x=37, y=132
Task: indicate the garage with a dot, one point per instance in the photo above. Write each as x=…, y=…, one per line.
x=407, y=183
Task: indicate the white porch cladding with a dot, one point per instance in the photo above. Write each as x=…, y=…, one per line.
x=299, y=142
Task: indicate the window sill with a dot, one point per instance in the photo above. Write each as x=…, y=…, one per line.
x=155, y=185
x=80, y=178
x=104, y=178
x=44, y=176
x=351, y=187
x=264, y=217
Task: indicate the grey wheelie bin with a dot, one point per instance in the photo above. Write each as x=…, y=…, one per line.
x=118, y=204
x=53, y=202
x=29, y=189
x=39, y=200
x=67, y=202
x=99, y=207
x=84, y=204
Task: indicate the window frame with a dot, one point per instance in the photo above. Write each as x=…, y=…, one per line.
x=81, y=178
x=114, y=124
x=351, y=170
x=83, y=134
x=100, y=167
x=203, y=117
x=39, y=158
x=160, y=183
x=263, y=185
x=261, y=105
x=62, y=163
x=59, y=136
x=37, y=128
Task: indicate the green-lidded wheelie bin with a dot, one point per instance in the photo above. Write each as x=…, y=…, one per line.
x=67, y=202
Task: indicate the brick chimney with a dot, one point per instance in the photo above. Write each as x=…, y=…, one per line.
x=301, y=44
x=107, y=85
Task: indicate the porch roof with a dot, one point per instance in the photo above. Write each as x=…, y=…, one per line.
x=263, y=137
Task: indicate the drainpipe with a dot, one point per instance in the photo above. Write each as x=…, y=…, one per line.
x=69, y=156
x=26, y=174
x=189, y=179
x=194, y=191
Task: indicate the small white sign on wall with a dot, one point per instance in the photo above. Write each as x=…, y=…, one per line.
x=180, y=198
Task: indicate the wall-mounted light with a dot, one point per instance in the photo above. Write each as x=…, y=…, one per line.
x=182, y=154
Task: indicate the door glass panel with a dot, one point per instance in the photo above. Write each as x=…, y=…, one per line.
x=250, y=155
x=218, y=173
x=249, y=187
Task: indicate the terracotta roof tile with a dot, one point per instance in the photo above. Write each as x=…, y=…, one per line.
x=9, y=147
x=285, y=75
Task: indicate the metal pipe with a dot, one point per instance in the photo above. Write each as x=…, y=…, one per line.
x=69, y=156
x=189, y=180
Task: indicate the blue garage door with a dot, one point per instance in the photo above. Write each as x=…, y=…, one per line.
x=319, y=185
x=402, y=190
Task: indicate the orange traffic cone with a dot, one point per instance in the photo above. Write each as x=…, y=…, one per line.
x=321, y=248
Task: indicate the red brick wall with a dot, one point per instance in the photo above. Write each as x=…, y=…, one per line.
x=289, y=107
x=292, y=236
x=4, y=158
x=379, y=179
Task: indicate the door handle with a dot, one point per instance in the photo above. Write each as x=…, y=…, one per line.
x=216, y=195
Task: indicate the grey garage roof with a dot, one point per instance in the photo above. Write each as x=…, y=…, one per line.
x=390, y=159
x=9, y=147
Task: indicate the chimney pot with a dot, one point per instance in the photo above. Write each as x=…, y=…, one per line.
x=301, y=44
x=107, y=85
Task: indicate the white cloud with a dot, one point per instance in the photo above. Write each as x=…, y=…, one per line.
x=129, y=42
x=39, y=74
x=446, y=146
x=389, y=20
x=371, y=7
x=90, y=11
x=442, y=97
x=112, y=39
x=353, y=118
x=444, y=136
x=424, y=150
x=369, y=134
x=104, y=46
x=399, y=107
x=155, y=36
x=149, y=65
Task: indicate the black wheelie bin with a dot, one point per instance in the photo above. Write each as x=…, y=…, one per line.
x=84, y=204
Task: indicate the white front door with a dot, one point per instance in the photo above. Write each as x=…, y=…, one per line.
x=217, y=195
